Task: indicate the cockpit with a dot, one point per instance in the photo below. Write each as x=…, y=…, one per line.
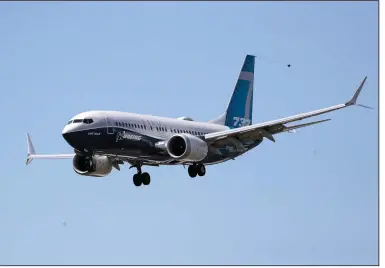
x=85, y=121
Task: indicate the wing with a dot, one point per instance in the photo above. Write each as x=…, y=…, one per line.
x=116, y=159
x=32, y=154
x=268, y=129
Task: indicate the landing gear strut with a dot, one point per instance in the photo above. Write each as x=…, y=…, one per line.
x=196, y=169
x=141, y=178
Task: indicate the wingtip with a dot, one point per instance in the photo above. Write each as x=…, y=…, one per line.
x=31, y=149
x=353, y=100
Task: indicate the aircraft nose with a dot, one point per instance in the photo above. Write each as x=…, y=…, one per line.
x=64, y=131
x=67, y=134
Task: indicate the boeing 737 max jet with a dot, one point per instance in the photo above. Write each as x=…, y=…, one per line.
x=103, y=140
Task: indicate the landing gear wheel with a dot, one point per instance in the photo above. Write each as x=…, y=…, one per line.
x=137, y=180
x=192, y=171
x=146, y=179
x=201, y=170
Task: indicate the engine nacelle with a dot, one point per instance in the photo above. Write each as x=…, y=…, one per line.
x=102, y=165
x=187, y=147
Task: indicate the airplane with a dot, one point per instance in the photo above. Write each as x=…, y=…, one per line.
x=103, y=140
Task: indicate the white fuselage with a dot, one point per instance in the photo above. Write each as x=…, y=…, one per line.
x=155, y=126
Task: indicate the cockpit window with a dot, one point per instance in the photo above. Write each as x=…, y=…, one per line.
x=69, y=122
x=78, y=120
x=88, y=121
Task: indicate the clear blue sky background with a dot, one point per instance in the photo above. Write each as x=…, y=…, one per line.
x=310, y=198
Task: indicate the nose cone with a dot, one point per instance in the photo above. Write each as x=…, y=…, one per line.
x=69, y=135
x=65, y=130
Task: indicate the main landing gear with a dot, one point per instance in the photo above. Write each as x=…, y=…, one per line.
x=196, y=169
x=141, y=178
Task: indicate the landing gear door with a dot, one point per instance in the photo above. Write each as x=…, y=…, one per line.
x=109, y=125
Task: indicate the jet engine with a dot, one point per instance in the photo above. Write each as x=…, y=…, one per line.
x=101, y=165
x=187, y=148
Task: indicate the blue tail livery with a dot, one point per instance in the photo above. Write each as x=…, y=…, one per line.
x=239, y=111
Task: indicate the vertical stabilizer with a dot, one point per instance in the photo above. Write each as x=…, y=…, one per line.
x=239, y=111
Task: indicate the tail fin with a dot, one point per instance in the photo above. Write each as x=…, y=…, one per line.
x=239, y=111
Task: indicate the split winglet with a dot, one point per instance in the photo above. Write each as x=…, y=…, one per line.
x=354, y=98
x=31, y=154
x=31, y=149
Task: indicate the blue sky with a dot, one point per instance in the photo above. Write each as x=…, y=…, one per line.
x=309, y=198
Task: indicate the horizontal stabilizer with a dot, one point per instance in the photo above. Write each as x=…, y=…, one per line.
x=304, y=125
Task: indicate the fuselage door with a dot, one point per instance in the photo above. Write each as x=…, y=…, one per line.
x=109, y=125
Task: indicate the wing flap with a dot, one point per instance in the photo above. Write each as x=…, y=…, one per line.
x=304, y=125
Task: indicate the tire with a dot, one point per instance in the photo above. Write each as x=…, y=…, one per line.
x=192, y=171
x=201, y=170
x=137, y=180
x=146, y=179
